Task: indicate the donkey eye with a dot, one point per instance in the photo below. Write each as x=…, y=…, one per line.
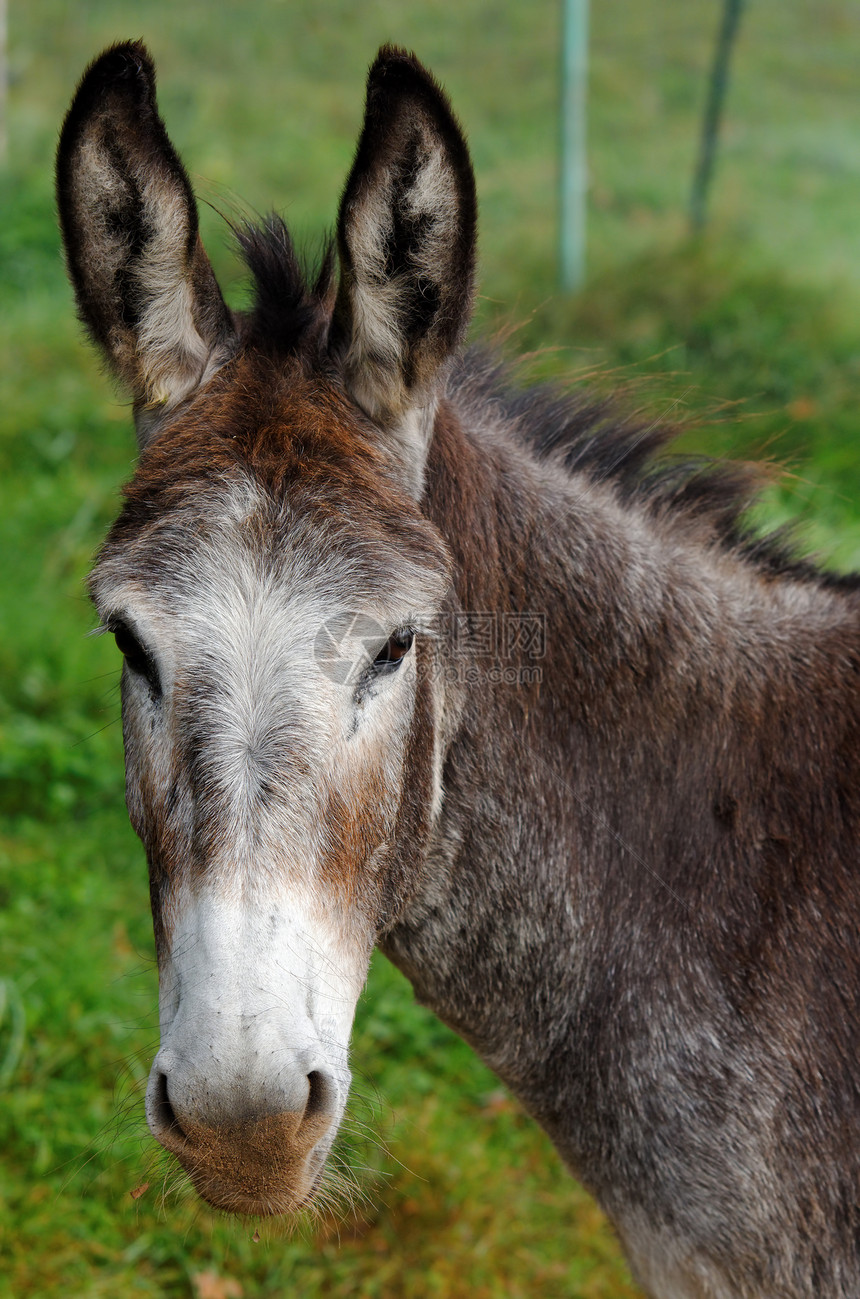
x=394, y=650
x=134, y=654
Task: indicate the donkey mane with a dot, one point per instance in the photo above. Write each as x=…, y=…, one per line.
x=595, y=438
x=585, y=435
x=292, y=297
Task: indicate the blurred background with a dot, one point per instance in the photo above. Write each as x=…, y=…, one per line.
x=748, y=335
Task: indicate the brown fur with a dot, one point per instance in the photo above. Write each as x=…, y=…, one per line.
x=629, y=880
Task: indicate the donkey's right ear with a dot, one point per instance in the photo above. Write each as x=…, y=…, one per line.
x=143, y=283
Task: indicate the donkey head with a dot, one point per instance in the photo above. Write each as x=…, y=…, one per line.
x=267, y=582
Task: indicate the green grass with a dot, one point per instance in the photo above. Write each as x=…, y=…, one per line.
x=751, y=338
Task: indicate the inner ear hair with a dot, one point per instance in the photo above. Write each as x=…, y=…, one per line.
x=144, y=286
x=406, y=239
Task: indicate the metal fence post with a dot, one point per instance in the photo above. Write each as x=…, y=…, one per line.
x=573, y=179
x=713, y=111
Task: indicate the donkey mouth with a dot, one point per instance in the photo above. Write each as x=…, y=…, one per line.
x=262, y=1167
x=265, y=1198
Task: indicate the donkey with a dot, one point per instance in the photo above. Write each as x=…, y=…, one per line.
x=416, y=658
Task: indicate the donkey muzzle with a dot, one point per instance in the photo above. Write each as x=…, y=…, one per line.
x=250, y=1145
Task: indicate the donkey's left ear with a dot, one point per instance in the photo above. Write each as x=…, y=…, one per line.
x=406, y=239
x=144, y=286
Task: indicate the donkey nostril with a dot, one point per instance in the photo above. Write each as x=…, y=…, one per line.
x=318, y=1094
x=163, y=1113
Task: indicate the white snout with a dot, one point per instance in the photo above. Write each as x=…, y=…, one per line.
x=251, y=1080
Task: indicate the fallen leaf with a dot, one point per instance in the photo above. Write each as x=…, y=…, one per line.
x=801, y=408
x=209, y=1285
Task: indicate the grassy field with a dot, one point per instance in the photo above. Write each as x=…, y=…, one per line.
x=750, y=336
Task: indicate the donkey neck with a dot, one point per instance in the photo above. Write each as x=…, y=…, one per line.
x=591, y=818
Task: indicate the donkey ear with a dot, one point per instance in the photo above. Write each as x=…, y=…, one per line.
x=406, y=238
x=144, y=286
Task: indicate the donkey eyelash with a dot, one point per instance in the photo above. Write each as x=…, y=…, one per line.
x=135, y=653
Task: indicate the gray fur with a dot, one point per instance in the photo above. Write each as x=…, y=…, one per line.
x=627, y=873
